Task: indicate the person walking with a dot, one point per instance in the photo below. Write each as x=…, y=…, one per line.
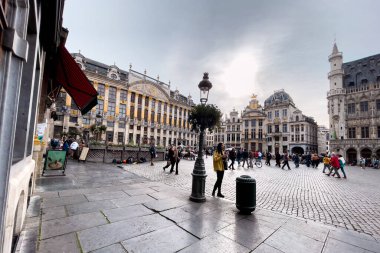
x=232, y=156
x=245, y=157
x=251, y=156
x=296, y=160
x=170, y=158
x=152, y=151
x=342, y=163
x=286, y=161
x=335, y=165
x=268, y=157
x=218, y=158
x=326, y=163
x=238, y=156
x=278, y=158
x=175, y=161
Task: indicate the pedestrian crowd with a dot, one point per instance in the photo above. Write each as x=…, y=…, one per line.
x=72, y=146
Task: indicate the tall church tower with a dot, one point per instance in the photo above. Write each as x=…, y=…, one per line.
x=336, y=96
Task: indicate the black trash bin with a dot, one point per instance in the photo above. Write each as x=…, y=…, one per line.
x=245, y=194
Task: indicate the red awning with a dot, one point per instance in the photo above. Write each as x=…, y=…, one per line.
x=71, y=77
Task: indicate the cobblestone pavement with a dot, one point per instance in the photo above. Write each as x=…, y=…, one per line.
x=352, y=203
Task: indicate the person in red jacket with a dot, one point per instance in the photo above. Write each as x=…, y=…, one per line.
x=334, y=162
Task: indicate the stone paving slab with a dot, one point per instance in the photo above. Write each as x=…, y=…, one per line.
x=64, y=243
x=247, y=233
x=333, y=246
x=177, y=215
x=134, y=200
x=101, y=236
x=106, y=195
x=165, y=204
x=53, y=213
x=61, y=201
x=215, y=243
x=265, y=248
x=124, y=213
x=170, y=239
x=311, y=230
x=299, y=243
x=141, y=191
x=70, y=224
x=202, y=226
x=362, y=241
x=89, y=207
x=114, y=248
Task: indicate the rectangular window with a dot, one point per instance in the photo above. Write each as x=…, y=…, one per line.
x=292, y=137
x=110, y=123
x=365, y=132
x=297, y=137
x=291, y=128
x=378, y=132
x=146, y=102
x=378, y=104
x=60, y=117
x=123, y=95
x=253, y=133
x=276, y=128
x=302, y=129
x=284, y=128
x=232, y=137
x=139, y=99
x=284, y=112
x=111, y=108
x=246, y=134
x=86, y=121
x=260, y=122
x=246, y=123
x=112, y=94
x=351, y=108
x=269, y=115
x=260, y=134
x=109, y=136
x=101, y=89
x=120, y=137
x=73, y=119
x=139, y=113
x=132, y=112
x=100, y=107
x=269, y=129
x=284, y=138
x=253, y=123
x=122, y=110
x=228, y=137
x=352, y=132
x=364, y=106
x=121, y=124
x=276, y=113
x=302, y=137
x=133, y=97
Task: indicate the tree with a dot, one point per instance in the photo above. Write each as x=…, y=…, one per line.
x=203, y=117
x=97, y=130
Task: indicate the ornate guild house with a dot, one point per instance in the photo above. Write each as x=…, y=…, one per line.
x=135, y=108
x=354, y=106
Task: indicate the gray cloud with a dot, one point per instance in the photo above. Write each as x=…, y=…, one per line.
x=246, y=46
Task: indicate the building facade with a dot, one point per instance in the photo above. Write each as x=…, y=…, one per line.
x=323, y=140
x=233, y=130
x=288, y=130
x=354, y=106
x=135, y=108
x=253, y=128
x=30, y=32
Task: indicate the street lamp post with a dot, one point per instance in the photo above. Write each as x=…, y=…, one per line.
x=199, y=171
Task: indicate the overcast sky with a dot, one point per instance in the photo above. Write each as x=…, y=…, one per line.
x=247, y=46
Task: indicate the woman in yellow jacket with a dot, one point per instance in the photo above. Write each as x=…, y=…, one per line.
x=218, y=158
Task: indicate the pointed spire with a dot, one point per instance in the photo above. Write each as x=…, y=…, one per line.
x=335, y=49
